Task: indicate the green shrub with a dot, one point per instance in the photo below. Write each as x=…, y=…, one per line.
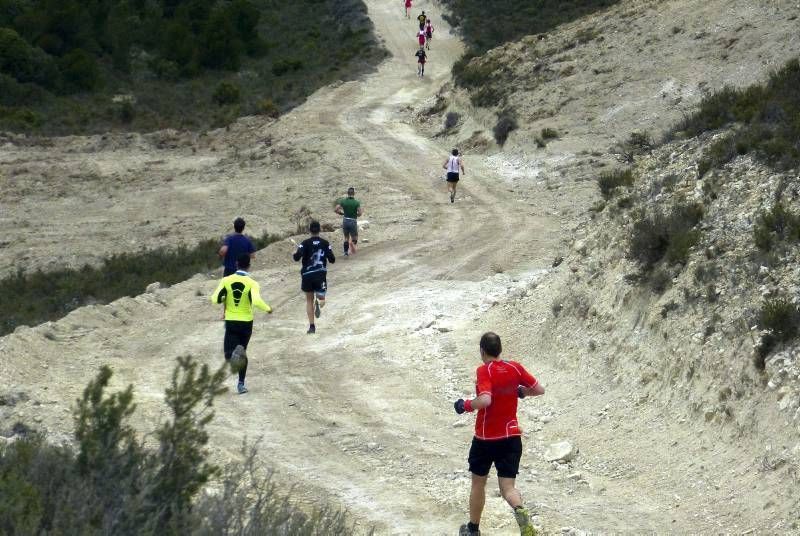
x=669, y=234
x=609, y=181
x=227, y=93
x=506, y=123
x=80, y=71
x=269, y=108
x=451, y=120
x=42, y=296
x=776, y=225
x=781, y=317
x=283, y=66
x=549, y=134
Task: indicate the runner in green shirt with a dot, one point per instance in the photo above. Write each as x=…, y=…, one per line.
x=350, y=208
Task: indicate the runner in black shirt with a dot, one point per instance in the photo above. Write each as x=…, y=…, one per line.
x=315, y=253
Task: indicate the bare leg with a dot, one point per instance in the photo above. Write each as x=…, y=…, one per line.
x=477, y=498
x=321, y=299
x=510, y=492
x=353, y=242
x=310, y=307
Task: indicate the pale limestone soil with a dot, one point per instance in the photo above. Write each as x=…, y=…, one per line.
x=361, y=413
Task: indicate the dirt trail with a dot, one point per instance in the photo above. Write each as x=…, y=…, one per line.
x=361, y=412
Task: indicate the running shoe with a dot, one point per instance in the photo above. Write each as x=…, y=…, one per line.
x=346, y=254
x=465, y=531
x=312, y=329
x=524, y=521
x=317, y=309
x=240, y=388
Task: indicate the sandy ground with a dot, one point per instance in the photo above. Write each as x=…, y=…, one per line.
x=361, y=413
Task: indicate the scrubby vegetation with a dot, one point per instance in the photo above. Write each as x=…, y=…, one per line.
x=609, y=181
x=506, y=123
x=71, y=66
x=775, y=226
x=485, y=25
x=42, y=296
x=666, y=234
x=111, y=483
x=767, y=115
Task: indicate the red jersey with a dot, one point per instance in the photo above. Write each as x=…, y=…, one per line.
x=500, y=379
x=421, y=38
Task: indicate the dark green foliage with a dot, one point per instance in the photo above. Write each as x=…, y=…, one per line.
x=42, y=296
x=227, y=93
x=112, y=484
x=774, y=226
x=65, y=59
x=549, y=134
x=485, y=25
x=506, y=122
x=451, y=120
x=769, y=116
x=609, y=181
x=182, y=465
x=781, y=317
x=665, y=235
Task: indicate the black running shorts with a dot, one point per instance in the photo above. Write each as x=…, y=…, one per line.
x=452, y=177
x=236, y=332
x=505, y=454
x=314, y=282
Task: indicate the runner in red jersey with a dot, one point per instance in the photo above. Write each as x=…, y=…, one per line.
x=497, y=433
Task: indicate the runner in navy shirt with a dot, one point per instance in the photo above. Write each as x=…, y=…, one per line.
x=233, y=246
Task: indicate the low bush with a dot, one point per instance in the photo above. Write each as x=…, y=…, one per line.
x=774, y=226
x=549, y=134
x=506, y=123
x=665, y=235
x=609, y=181
x=227, y=93
x=111, y=483
x=781, y=317
x=41, y=296
x=451, y=120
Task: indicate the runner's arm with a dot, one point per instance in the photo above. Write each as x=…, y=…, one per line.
x=329, y=255
x=339, y=210
x=220, y=294
x=222, y=251
x=255, y=299
x=461, y=164
x=529, y=385
x=299, y=253
x=360, y=211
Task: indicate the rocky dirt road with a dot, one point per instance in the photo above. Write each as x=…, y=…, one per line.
x=361, y=413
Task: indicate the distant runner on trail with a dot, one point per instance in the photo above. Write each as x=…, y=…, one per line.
x=428, y=34
x=455, y=168
x=408, y=9
x=315, y=252
x=497, y=434
x=421, y=59
x=234, y=245
x=350, y=208
x=240, y=293
x=421, y=38
x=422, y=18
